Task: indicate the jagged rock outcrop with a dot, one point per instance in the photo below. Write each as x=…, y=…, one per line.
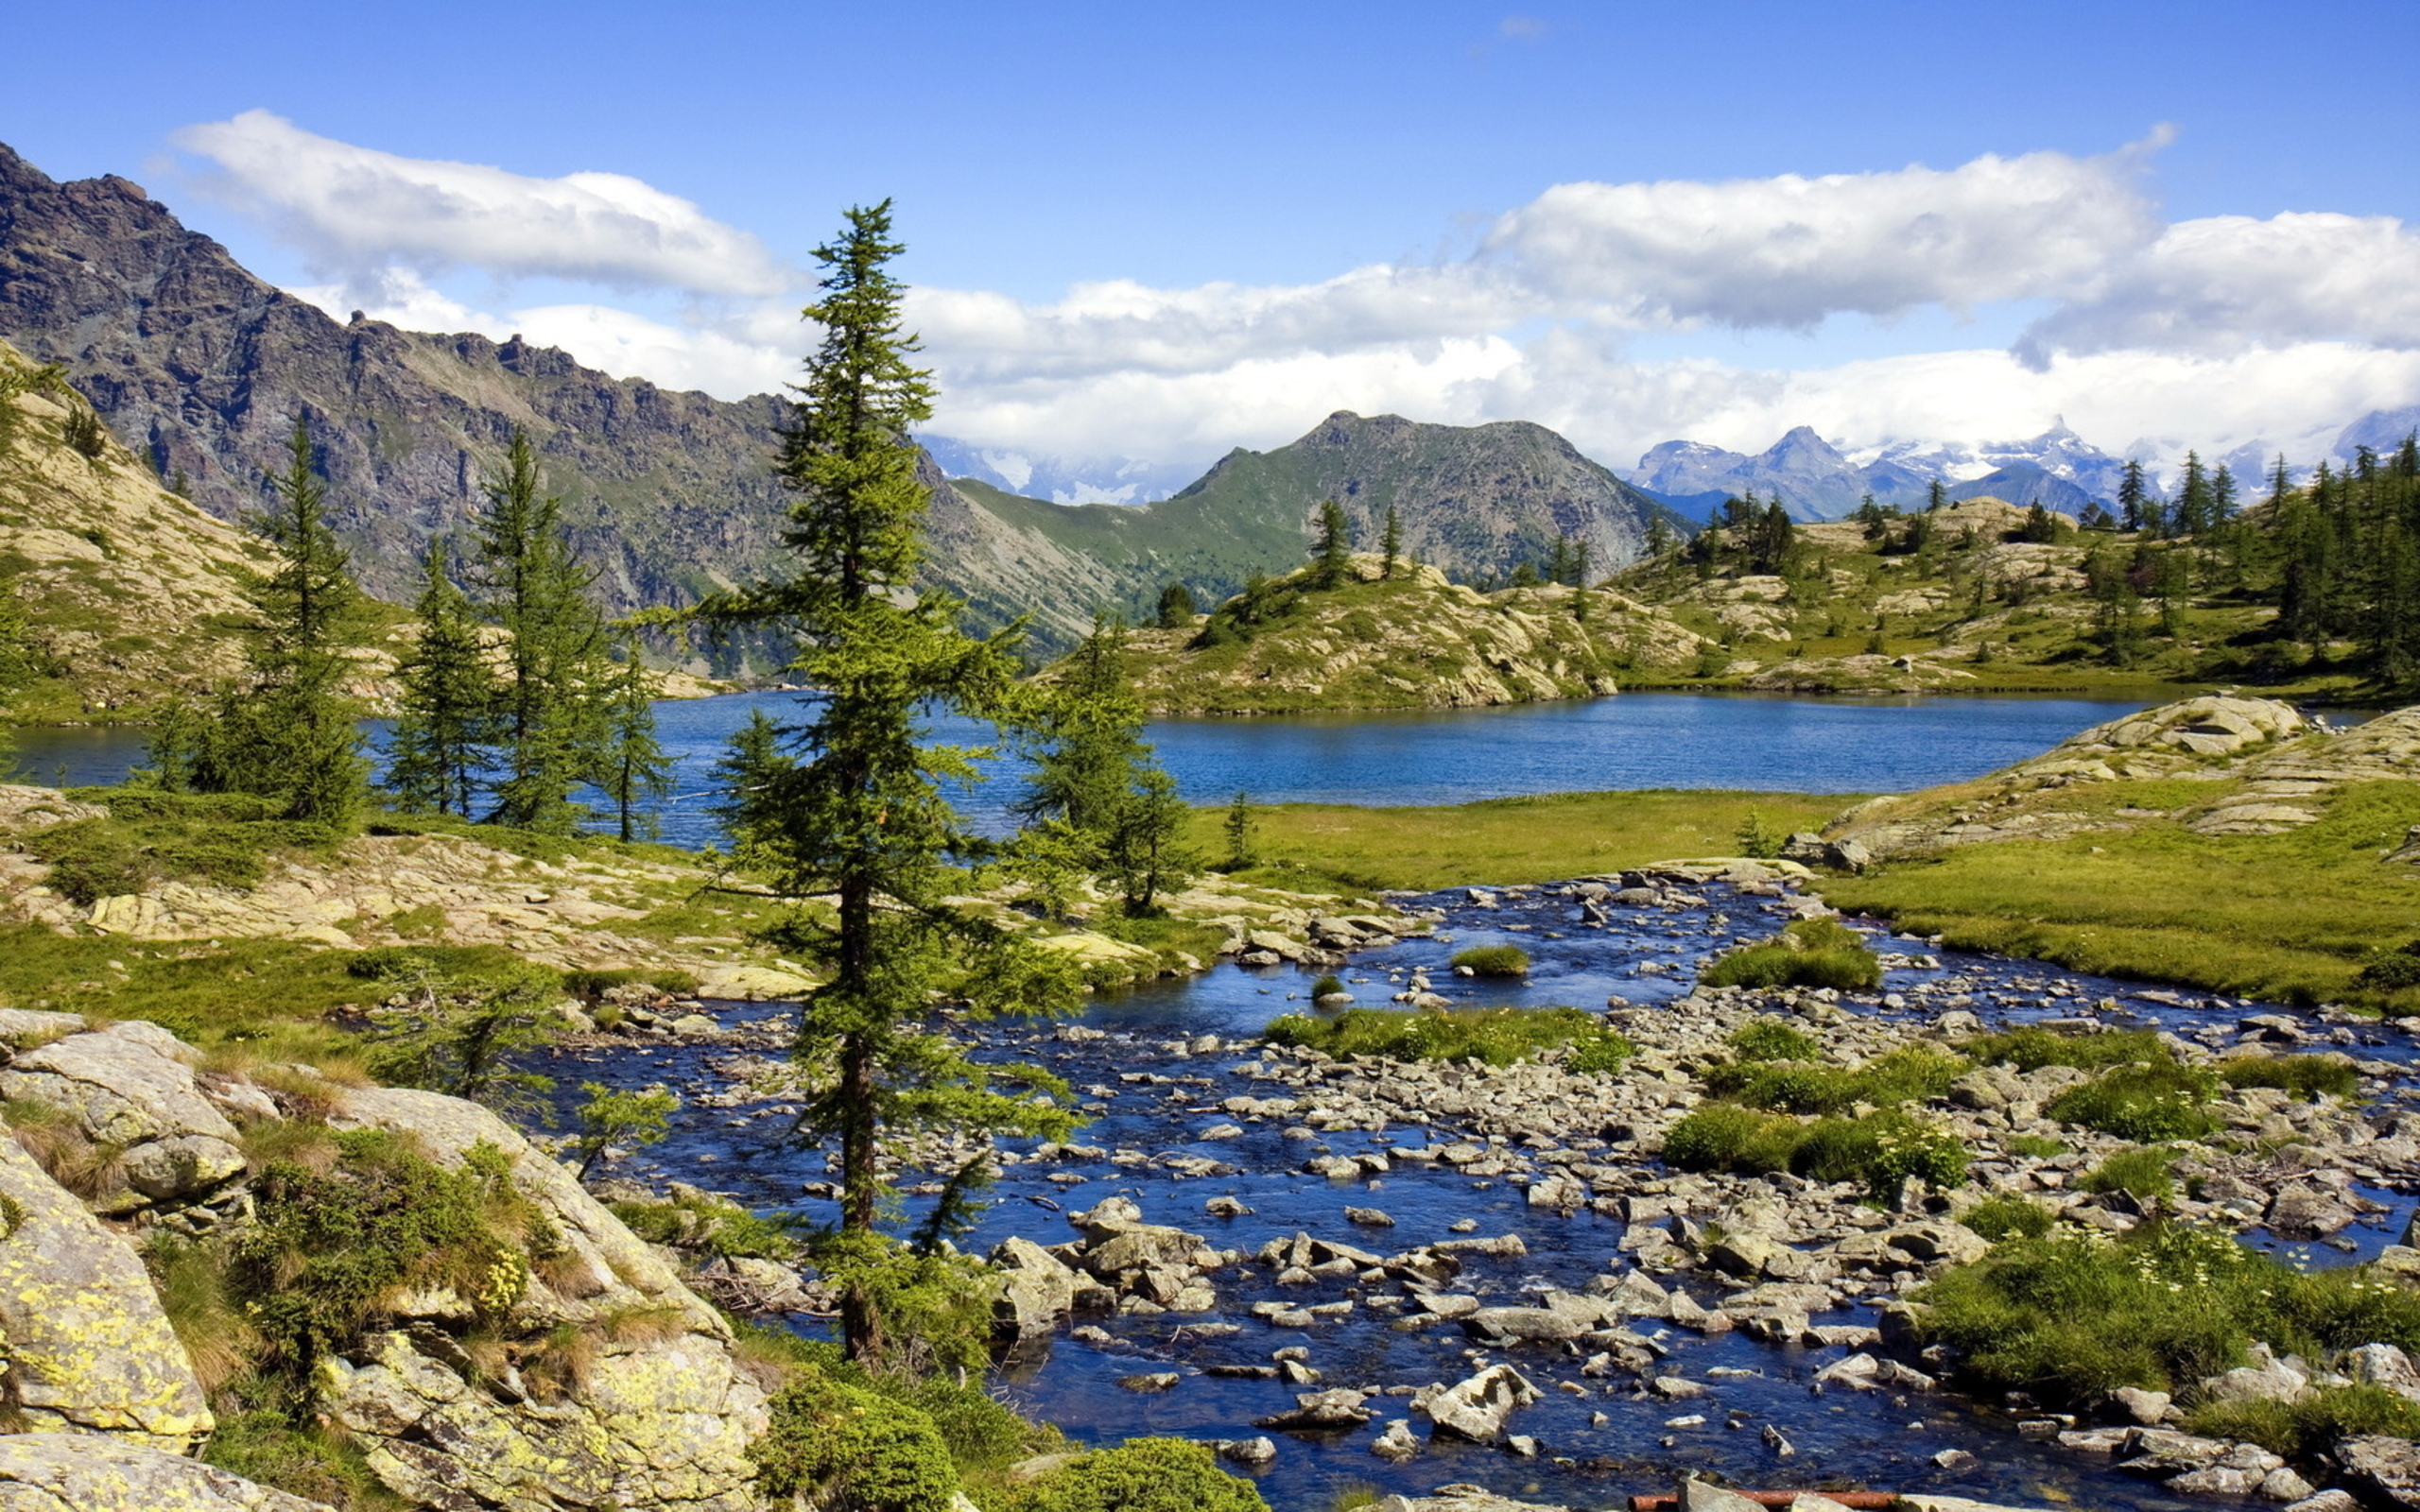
x=62, y=1472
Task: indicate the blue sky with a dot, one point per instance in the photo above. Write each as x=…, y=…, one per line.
x=1284, y=210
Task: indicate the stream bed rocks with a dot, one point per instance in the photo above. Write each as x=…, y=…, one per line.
x=1550, y=1307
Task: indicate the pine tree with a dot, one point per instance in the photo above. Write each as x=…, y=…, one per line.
x=1936, y=496
x=550, y=726
x=860, y=818
x=1661, y=537
x=2134, y=496
x=1580, y=581
x=288, y=729
x=1333, y=547
x=1094, y=779
x=1390, y=544
x=632, y=773
x=446, y=699
x=1176, y=608
x=748, y=773
x=2192, y=513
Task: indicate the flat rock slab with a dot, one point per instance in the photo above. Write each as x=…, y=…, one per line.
x=82, y=1472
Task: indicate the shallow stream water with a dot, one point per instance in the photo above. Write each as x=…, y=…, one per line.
x=1881, y=1439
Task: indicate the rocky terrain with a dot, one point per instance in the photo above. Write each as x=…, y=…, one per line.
x=1414, y=641
x=107, y=1400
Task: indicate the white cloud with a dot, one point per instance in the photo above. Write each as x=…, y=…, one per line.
x=354, y=211
x=2229, y=281
x=2212, y=333
x=1788, y=252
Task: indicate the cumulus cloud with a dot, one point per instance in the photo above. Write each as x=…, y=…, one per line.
x=2228, y=282
x=354, y=211
x=1788, y=252
x=2210, y=332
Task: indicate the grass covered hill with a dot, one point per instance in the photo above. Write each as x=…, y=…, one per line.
x=118, y=590
x=1978, y=597
x=1413, y=641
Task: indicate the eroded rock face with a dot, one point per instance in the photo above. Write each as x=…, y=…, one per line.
x=64, y=1473
x=89, y=1349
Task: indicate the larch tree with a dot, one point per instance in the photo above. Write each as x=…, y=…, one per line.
x=858, y=816
x=631, y=769
x=288, y=729
x=1390, y=546
x=1332, y=548
x=446, y=698
x=550, y=725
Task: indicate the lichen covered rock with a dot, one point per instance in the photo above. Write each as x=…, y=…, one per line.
x=73, y=1473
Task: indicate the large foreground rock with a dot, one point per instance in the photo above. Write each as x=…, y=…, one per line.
x=131, y=1086
x=78, y=1472
x=88, y=1345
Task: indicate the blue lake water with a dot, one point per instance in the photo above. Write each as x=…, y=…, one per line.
x=1643, y=740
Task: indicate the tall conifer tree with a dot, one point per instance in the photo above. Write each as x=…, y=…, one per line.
x=1391, y=545
x=1333, y=546
x=631, y=771
x=859, y=815
x=446, y=699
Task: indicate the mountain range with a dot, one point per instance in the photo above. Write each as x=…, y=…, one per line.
x=203, y=368
x=1816, y=480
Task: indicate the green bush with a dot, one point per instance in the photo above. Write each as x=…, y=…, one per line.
x=1910, y=1073
x=2008, y=1216
x=313, y=1463
x=2031, y=1047
x=847, y=1449
x=2034, y=1147
x=2146, y=1103
x=1140, y=1475
x=2312, y=1425
x=1327, y=986
x=711, y=1227
x=328, y=1245
x=1493, y=960
x=2075, y=1314
x=2309, y=1077
x=1727, y=1136
x=2392, y=971
x=1769, y=1039
x=1599, y=1053
x=2142, y=1172
x=1814, y=953
x=1498, y=1037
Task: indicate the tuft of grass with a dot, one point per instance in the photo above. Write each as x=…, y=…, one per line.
x=2310, y=1077
x=2312, y=1425
x=1878, y=1150
x=2036, y=1146
x=1493, y=960
x=1498, y=1037
x=2074, y=1315
x=2143, y=1171
x=1772, y=1040
x=2146, y=1102
x=1910, y=1073
x=1815, y=952
x=2008, y=1216
x=2031, y=1047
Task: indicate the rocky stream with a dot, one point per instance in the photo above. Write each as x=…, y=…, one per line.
x=1411, y=1276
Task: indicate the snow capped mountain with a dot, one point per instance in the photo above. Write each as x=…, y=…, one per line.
x=1062, y=479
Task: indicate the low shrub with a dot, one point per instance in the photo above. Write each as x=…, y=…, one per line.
x=1813, y=952
x=708, y=1226
x=2311, y=1425
x=2392, y=971
x=1599, y=1053
x=2008, y=1216
x=1328, y=985
x=2146, y=1102
x=315, y=1463
x=1498, y=1037
x=2035, y=1147
x=1493, y=960
x=2309, y=1077
x=149, y=836
x=1769, y=1039
x=848, y=1449
x=1140, y=1475
x=2031, y=1047
x=1911, y=1073
x=2074, y=1315
x=2143, y=1172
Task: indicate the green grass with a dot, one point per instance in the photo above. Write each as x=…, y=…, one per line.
x=2142, y=1172
x=1913, y=1073
x=1772, y=1040
x=1498, y=1037
x=2291, y=918
x=1502, y=841
x=1493, y=960
x=149, y=836
x=1878, y=1150
x=1815, y=952
x=2073, y=1315
x=2310, y=1077
x=2031, y=1047
x=2312, y=1425
x=2146, y=1102
x=2008, y=1216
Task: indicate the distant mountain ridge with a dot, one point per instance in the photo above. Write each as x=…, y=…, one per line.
x=1817, y=480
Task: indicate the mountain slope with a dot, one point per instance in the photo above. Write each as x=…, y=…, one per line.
x=130, y=591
